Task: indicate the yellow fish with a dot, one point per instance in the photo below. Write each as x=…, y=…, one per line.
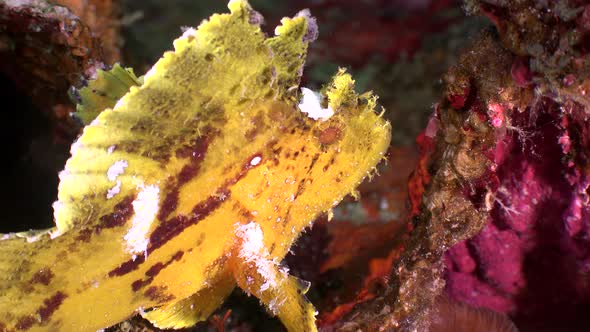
x=197, y=180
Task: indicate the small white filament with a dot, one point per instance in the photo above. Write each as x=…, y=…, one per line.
x=311, y=104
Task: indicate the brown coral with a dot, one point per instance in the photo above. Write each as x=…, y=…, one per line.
x=45, y=49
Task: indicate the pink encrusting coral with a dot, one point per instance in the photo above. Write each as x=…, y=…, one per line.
x=500, y=214
x=532, y=259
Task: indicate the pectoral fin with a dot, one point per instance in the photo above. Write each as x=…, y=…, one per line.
x=104, y=91
x=282, y=294
x=193, y=309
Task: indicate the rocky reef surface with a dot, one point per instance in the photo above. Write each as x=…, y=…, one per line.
x=502, y=222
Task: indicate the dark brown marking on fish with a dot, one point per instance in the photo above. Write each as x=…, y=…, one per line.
x=127, y=267
x=200, y=240
x=154, y=270
x=122, y=212
x=169, y=204
x=160, y=153
x=198, y=148
x=251, y=134
x=62, y=255
x=51, y=305
x=84, y=235
x=72, y=247
x=303, y=181
x=140, y=283
x=25, y=322
x=329, y=164
x=258, y=125
x=276, y=151
x=243, y=211
x=188, y=172
x=329, y=135
x=196, y=152
x=141, y=125
x=203, y=209
x=131, y=147
x=177, y=256
x=275, y=160
x=313, y=162
x=287, y=216
x=26, y=288
x=169, y=229
x=272, y=145
x=43, y=276
x=157, y=294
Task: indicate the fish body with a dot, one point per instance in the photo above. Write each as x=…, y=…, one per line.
x=197, y=180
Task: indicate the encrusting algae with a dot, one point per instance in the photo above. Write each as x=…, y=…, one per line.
x=197, y=180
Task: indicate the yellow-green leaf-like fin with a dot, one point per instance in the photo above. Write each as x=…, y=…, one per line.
x=104, y=91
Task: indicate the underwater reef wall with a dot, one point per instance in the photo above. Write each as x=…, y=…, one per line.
x=501, y=210
x=45, y=48
x=531, y=258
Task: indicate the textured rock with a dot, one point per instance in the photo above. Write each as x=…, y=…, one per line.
x=504, y=179
x=45, y=49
